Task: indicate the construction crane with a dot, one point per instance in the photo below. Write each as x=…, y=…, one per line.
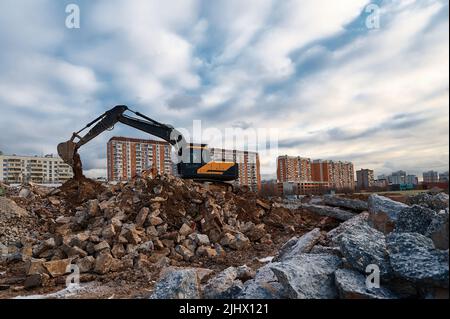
x=193, y=160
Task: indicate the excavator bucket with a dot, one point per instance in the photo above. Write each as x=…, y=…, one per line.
x=66, y=151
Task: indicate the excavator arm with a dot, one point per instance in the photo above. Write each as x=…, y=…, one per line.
x=107, y=120
x=193, y=160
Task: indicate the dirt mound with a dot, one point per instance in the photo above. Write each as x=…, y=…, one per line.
x=77, y=191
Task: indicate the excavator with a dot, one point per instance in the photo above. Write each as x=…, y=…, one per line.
x=193, y=160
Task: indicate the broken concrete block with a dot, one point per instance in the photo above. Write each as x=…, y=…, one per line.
x=383, y=212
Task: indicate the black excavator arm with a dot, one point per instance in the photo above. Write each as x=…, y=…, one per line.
x=187, y=168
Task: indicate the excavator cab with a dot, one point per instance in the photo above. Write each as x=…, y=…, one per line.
x=200, y=166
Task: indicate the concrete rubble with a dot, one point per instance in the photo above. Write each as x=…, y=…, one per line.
x=172, y=238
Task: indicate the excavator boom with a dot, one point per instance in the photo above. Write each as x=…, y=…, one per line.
x=193, y=159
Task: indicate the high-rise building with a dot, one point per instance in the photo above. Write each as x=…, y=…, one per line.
x=412, y=179
x=317, y=174
x=293, y=169
x=248, y=165
x=48, y=169
x=397, y=178
x=337, y=174
x=129, y=157
x=443, y=177
x=430, y=177
x=364, y=178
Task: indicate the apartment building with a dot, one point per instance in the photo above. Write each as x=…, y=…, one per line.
x=293, y=169
x=48, y=169
x=248, y=165
x=364, y=178
x=129, y=157
x=430, y=177
x=335, y=174
x=315, y=176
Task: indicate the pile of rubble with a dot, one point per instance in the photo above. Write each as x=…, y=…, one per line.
x=390, y=251
x=143, y=223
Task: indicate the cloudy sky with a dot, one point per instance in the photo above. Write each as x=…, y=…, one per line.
x=334, y=88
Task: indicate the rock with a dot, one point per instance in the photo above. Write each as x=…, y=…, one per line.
x=57, y=268
x=201, y=239
x=363, y=245
x=103, y=263
x=295, y=247
x=177, y=284
x=33, y=281
x=108, y=232
x=118, y=251
x=206, y=251
x=63, y=220
x=414, y=258
x=239, y=242
x=158, y=200
x=146, y=248
x=333, y=212
x=24, y=192
x=223, y=286
x=86, y=264
x=227, y=239
x=142, y=216
x=35, y=266
x=352, y=285
x=435, y=202
x=310, y=276
x=262, y=204
x=383, y=212
x=353, y=204
x=155, y=220
x=256, y=232
x=334, y=235
x=414, y=219
x=185, y=230
x=265, y=285
x=103, y=245
x=44, y=246
x=184, y=252
x=438, y=230
x=93, y=207
x=132, y=236
x=319, y=249
x=8, y=206
x=245, y=273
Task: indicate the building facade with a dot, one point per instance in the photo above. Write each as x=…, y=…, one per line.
x=293, y=169
x=412, y=179
x=364, y=178
x=430, y=177
x=397, y=178
x=248, y=165
x=443, y=177
x=315, y=176
x=129, y=157
x=48, y=169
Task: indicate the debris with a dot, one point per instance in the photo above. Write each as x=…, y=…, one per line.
x=362, y=246
x=414, y=258
x=353, y=204
x=435, y=202
x=295, y=247
x=178, y=284
x=352, y=285
x=383, y=212
x=310, y=276
x=333, y=212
